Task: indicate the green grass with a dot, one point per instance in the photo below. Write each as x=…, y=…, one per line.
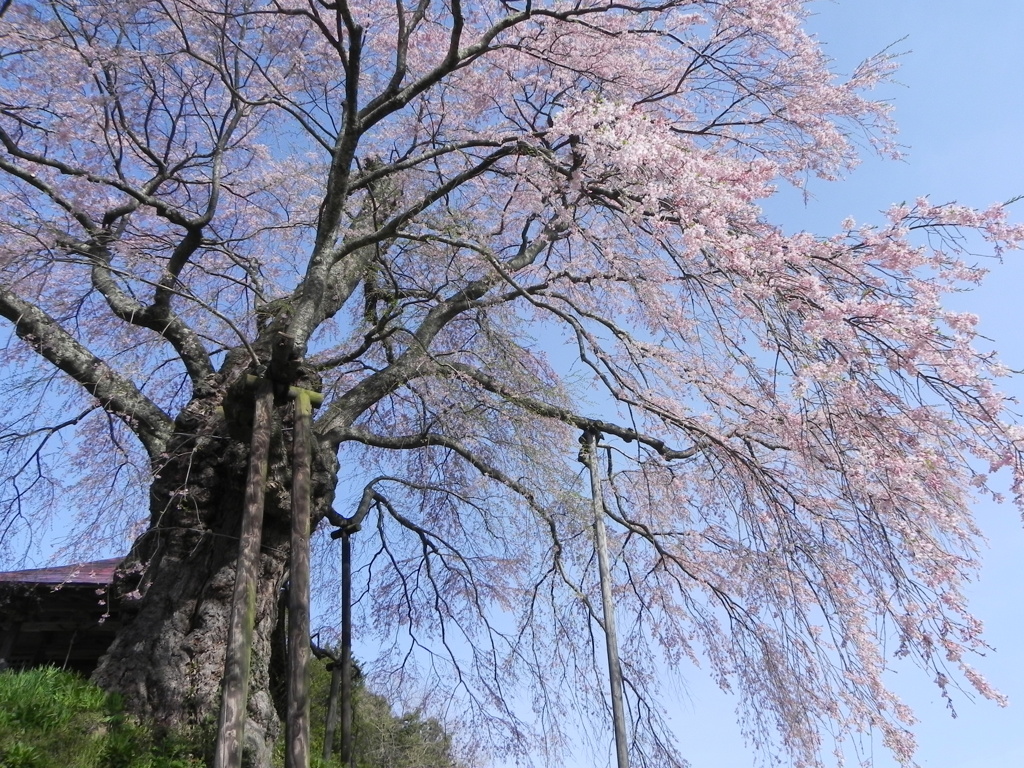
x=55, y=719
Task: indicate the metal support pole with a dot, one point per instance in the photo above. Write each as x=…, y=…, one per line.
x=589, y=457
x=237, y=655
x=297, y=723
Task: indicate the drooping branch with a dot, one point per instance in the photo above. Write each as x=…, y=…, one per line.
x=433, y=439
x=456, y=57
x=158, y=317
x=415, y=361
x=146, y=196
x=115, y=393
x=98, y=235
x=540, y=408
x=327, y=270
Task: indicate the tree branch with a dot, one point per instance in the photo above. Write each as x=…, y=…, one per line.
x=116, y=394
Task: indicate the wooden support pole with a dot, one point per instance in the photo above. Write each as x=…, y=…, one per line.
x=297, y=723
x=346, y=648
x=607, y=601
x=332, y=710
x=237, y=655
x=341, y=676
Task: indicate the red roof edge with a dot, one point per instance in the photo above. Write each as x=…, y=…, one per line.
x=97, y=572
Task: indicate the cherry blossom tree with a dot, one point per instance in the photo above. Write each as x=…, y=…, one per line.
x=488, y=228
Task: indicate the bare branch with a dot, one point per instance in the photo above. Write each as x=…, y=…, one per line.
x=114, y=393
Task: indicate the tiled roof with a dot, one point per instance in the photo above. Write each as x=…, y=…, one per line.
x=99, y=572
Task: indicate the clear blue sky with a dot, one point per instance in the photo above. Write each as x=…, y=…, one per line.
x=960, y=108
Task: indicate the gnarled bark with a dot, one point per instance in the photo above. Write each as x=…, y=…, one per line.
x=175, y=588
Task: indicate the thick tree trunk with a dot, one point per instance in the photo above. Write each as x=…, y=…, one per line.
x=175, y=589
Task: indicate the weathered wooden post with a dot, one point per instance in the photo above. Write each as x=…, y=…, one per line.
x=297, y=722
x=237, y=655
x=588, y=456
